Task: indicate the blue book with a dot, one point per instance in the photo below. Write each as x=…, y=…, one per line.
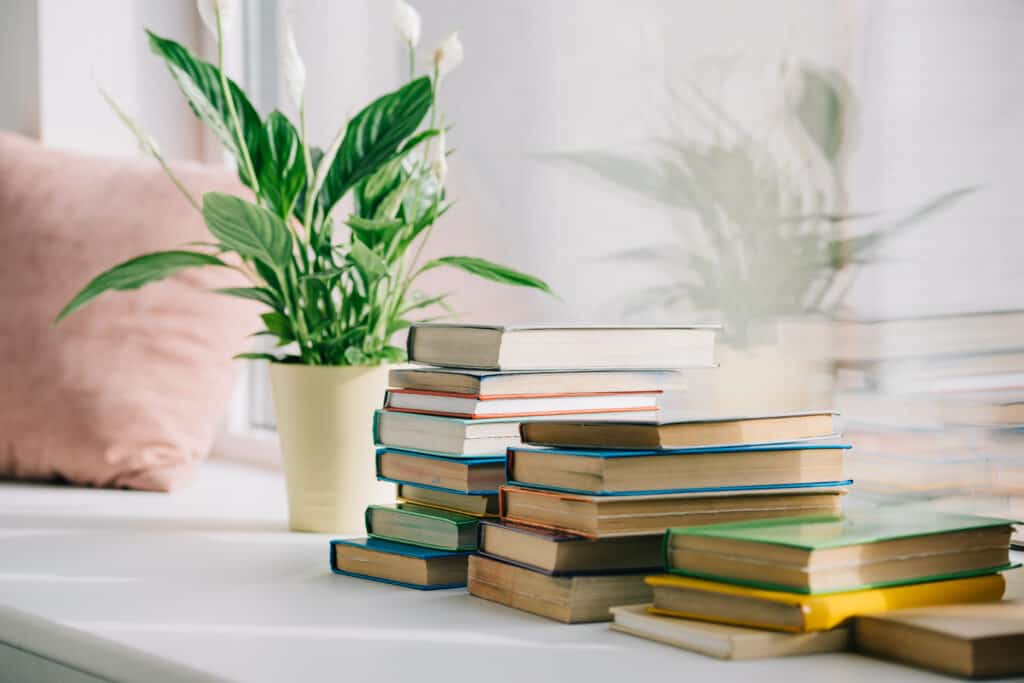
x=400, y=564
x=691, y=470
x=467, y=476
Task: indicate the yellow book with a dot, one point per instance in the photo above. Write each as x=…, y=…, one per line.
x=690, y=598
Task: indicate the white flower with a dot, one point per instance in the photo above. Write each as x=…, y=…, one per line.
x=292, y=66
x=448, y=55
x=439, y=158
x=407, y=22
x=209, y=9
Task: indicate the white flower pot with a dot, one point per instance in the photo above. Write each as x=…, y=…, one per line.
x=325, y=422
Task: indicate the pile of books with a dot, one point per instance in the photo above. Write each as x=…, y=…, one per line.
x=819, y=584
x=587, y=504
x=445, y=428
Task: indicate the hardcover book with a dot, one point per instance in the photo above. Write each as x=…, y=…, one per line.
x=838, y=553
x=569, y=599
x=690, y=598
x=561, y=348
x=480, y=407
x=478, y=476
x=718, y=431
x=490, y=384
x=467, y=504
x=398, y=563
x=724, y=641
x=424, y=526
x=611, y=516
x=597, y=472
x=976, y=640
x=563, y=554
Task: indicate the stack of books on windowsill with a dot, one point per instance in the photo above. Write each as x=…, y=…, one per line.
x=795, y=585
x=587, y=504
x=445, y=428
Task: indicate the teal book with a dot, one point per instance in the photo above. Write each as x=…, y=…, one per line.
x=832, y=554
x=400, y=564
x=423, y=526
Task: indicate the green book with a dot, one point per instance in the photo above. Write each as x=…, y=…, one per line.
x=833, y=554
x=423, y=526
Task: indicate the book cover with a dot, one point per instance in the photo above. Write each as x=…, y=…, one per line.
x=395, y=548
x=855, y=528
x=456, y=519
x=822, y=612
x=468, y=461
x=724, y=641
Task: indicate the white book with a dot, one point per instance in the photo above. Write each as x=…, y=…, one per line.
x=492, y=384
x=724, y=641
x=563, y=347
x=461, y=405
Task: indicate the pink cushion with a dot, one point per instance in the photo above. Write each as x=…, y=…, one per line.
x=127, y=391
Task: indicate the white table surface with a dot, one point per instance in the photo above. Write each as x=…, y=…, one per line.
x=208, y=584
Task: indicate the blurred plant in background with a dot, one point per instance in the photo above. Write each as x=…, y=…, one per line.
x=751, y=170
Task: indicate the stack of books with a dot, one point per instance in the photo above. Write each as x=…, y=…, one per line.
x=587, y=504
x=445, y=428
x=793, y=585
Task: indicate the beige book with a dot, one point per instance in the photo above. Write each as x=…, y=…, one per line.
x=569, y=599
x=724, y=641
x=977, y=640
x=610, y=516
x=718, y=431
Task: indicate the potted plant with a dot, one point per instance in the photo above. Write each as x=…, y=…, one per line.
x=335, y=296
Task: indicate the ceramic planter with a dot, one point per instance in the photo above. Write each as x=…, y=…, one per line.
x=325, y=421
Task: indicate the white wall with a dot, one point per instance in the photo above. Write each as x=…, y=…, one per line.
x=943, y=103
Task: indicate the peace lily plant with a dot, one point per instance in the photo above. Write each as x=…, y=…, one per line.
x=335, y=295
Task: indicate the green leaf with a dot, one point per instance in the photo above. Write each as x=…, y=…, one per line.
x=137, y=272
x=372, y=232
x=252, y=231
x=279, y=325
x=282, y=171
x=200, y=82
x=261, y=294
x=490, y=271
x=374, y=137
x=368, y=260
x=255, y=356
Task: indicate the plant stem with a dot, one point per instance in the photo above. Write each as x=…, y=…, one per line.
x=412, y=61
x=230, y=99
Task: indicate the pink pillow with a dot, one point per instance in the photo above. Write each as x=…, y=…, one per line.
x=127, y=391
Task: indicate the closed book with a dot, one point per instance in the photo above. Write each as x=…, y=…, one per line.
x=975, y=640
x=716, y=431
x=562, y=554
x=611, y=516
x=838, y=553
x=482, y=407
x=423, y=526
x=725, y=641
x=456, y=436
x=497, y=347
x=491, y=384
x=603, y=472
x=398, y=563
x=690, y=598
x=479, y=476
x=468, y=504
x=569, y=599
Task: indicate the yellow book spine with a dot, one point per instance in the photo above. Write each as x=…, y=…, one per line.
x=823, y=612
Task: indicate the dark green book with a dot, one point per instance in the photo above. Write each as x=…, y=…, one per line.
x=835, y=554
x=423, y=526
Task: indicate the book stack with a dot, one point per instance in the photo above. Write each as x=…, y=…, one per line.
x=445, y=428
x=793, y=585
x=587, y=503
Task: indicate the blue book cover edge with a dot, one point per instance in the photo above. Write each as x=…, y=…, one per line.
x=707, y=489
x=417, y=484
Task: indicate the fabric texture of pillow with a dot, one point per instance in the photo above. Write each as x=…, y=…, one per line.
x=128, y=391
